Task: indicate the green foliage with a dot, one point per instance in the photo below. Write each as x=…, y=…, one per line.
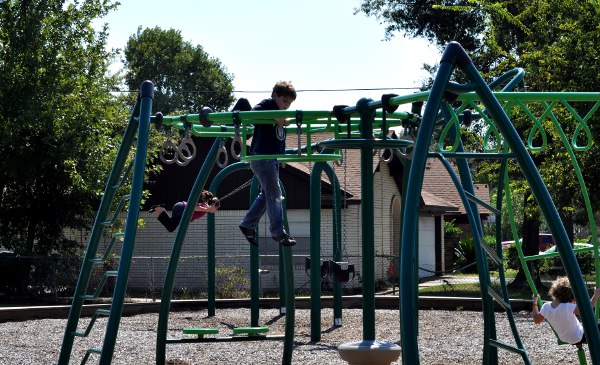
x=556, y=42
x=60, y=125
x=465, y=255
x=422, y=18
x=233, y=282
x=184, y=76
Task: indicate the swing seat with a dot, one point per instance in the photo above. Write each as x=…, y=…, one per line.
x=340, y=271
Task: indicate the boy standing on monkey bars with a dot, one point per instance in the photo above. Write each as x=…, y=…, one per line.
x=269, y=139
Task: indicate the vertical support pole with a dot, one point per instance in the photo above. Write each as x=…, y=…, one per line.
x=408, y=323
x=254, y=266
x=336, y=216
x=367, y=117
x=315, y=253
x=282, y=279
x=116, y=311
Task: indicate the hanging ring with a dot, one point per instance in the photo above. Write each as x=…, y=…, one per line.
x=236, y=143
x=382, y=154
x=407, y=155
x=168, y=152
x=186, y=151
x=407, y=152
x=222, y=155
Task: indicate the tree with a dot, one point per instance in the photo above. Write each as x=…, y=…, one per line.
x=555, y=41
x=59, y=122
x=422, y=18
x=185, y=77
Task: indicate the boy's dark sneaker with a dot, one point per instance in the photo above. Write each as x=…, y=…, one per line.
x=250, y=235
x=285, y=239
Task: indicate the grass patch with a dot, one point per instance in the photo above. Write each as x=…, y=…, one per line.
x=469, y=290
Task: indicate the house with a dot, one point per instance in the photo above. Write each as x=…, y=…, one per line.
x=439, y=200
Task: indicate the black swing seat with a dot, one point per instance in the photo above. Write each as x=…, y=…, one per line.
x=339, y=271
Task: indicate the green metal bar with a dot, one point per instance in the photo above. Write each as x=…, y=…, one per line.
x=546, y=255
x=501, y=274
x=490, y=354
x=290, y=313
x=336, y=216
x=368, y=220
x=254, y=265
x=498, y=156
x=253, y=338
x=315, y=248
x=475, y=199
x=315, y=253
x=211, y=246
x=165, y=303
x=137, y=182
x=534, y=96
x=282, y=279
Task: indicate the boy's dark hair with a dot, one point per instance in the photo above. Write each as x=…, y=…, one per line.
x=284, y=88
x=561, y=290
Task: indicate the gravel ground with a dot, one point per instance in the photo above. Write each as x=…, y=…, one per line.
x=445, y=337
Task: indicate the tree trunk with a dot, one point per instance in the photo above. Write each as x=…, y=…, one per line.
x=530, y=244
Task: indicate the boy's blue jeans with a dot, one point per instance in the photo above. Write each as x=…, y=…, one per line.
x=269, y=199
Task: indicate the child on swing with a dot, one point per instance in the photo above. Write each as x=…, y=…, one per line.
x=561, y=312
x=208, y=204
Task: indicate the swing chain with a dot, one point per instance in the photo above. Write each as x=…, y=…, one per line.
x=236, y=190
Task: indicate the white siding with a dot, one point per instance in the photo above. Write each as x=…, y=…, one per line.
x=154, y=243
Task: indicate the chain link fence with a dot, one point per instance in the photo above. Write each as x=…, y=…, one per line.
x=53, y=279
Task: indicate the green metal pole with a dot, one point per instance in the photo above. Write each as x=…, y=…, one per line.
x=367, y=117
x=315, y=253
x=290, y=304
x=254, y=266
x=336, y=215
x=211, y=248
x=165, y=303
x=413, y=286
x=282, y=278
x=490, y=353
x=137, y=182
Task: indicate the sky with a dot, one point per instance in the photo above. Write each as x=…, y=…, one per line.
x=318, y=45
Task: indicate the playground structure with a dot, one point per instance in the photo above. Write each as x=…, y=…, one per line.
x=364, y=127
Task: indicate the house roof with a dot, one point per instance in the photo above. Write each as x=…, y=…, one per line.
x=438, y=193
x=437, y=180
